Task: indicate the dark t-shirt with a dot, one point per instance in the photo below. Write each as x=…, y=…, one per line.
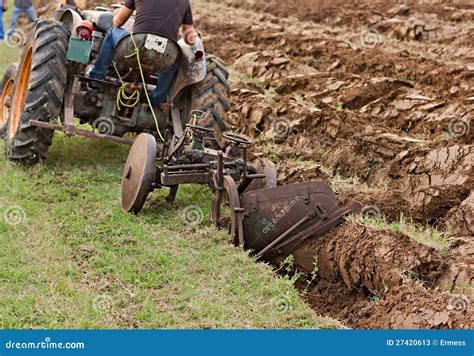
x=23, y=4
x=162, y=17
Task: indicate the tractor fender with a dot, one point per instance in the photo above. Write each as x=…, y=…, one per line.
x=190, y=69
x=70, y=18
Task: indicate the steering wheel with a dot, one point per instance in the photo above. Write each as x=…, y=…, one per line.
x=237, y=139
x=200, y=129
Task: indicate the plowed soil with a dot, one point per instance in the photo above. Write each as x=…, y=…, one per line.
x=376, y=98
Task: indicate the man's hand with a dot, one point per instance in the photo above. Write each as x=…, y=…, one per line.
x=122, y=16
x=189, y=34
x=5, y=5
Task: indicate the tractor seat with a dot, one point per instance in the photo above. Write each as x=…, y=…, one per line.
x=157, y=55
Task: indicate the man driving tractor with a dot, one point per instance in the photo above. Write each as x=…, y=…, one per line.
x=165, y=18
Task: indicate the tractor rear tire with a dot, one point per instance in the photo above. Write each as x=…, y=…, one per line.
x=211, y=95
x=38, y=92
x=6, y=91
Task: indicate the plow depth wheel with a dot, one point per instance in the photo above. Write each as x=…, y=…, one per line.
x=230, y=197
x=139, y=173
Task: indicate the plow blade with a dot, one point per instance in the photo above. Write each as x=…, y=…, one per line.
x=281, y=219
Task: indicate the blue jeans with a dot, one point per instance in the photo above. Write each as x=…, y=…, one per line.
x=29, y=11
x=106, y=57
x=1, y=22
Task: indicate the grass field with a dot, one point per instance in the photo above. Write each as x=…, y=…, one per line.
x=7, y=55
x=69, y=257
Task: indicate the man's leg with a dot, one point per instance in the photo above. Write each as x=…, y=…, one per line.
x=1, y=21
x=106, y=54
x=31, y=13
x=163, y=86
x=15, y=16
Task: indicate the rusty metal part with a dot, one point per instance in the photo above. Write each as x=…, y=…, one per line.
x=139, y=173
x=73, y=131
x=236, y=212
x=69, y=127
x=262, y=166
x=71, y=90
x=237, y=139
x=226, y=185
x=185, y=178
x=172, y=194
x=271, y=221
x=275, y=216
x=284, y=247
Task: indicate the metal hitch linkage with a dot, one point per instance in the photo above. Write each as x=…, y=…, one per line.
x=73, y=131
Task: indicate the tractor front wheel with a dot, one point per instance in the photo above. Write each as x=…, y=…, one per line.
x=37, y=92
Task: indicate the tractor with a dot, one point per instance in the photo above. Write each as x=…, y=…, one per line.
x=187, y=144
x=49, y=88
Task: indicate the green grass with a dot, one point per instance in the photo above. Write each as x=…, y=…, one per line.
x=8, y=55
x=70, y=258
x=75, y=260
x=426, y=235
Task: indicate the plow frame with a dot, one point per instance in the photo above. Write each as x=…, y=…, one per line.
x=230, y=176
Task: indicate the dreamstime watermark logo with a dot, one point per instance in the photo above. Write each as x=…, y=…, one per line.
x=103, y=303
x=283, y=304
x=15, y=40
x=14, y=215
x=371, y=211
x=458, y=127
x=458, y=303
x=46, y=344
x=193, y=215
x=448, y=48
x=105, y=126
x=97, y=44
x=279, y=40
x=26, y=115
x=370, y=38
x=280, y=128
x=279, y=215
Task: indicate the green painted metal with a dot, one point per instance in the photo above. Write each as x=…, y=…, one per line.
x=79, y=50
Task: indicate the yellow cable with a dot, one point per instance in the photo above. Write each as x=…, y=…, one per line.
x=122, y=97
x=137, y=53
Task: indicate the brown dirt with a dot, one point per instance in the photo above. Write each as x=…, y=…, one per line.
x=434, y=181
x=461, y=220
x=365, y=274
x=371, y=259
x=377, y=100
x=408, y=306
x=411, y=306
x=386, y=123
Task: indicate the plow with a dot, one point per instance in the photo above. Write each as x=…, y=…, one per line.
x=263, y=172
x=187, y=143
x=270, y=220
